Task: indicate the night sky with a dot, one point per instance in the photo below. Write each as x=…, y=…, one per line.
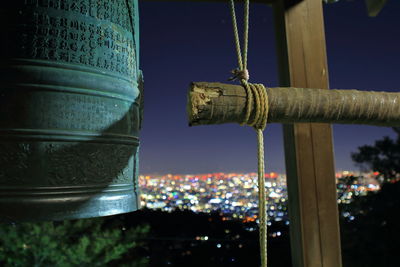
x=188, y=41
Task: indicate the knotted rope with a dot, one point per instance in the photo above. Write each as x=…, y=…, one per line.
x=257, y=96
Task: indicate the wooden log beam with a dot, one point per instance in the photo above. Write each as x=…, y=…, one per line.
x=226, y=1
x=218, y=103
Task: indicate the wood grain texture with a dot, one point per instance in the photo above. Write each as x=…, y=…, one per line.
x=314, y=227
x=252, y=1
x=217, y=103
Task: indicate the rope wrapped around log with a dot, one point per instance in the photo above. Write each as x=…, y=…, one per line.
x=218, y=103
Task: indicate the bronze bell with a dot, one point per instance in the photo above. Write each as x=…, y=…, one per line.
x=69, y=109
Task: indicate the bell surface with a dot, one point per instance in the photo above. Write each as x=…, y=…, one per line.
x=69, y=109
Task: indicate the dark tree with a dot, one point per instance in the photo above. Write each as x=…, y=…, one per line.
x=383, y=157
x=372, y=236
x=85, y=242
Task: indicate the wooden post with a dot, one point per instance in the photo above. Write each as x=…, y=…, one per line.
x=314, y=226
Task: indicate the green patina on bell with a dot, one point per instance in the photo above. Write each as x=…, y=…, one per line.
x=69, y=108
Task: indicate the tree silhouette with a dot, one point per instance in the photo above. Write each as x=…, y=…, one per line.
x=383, y=157
x=372, y=236
x=87, y=242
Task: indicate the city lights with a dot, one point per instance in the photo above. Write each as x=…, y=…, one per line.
x=234, y=195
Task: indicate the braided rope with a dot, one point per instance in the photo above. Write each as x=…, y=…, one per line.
x=236, y=34
x=245, y=33
x=257, y=96
x=263, y=219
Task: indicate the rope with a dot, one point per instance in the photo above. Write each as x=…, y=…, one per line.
x=257, y=96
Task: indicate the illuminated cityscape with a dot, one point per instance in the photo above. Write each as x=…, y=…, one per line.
x=234, y=195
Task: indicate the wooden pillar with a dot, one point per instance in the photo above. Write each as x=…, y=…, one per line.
x=314, y=224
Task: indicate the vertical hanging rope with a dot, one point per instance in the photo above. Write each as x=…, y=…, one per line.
x=262, y=200
x=255, y=93
x=236, y=34
x=245, y=32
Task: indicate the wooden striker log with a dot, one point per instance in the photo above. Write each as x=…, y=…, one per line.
x=217, y=103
